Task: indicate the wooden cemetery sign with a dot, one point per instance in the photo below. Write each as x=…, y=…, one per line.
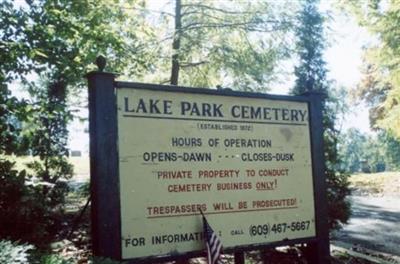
x=253, y=163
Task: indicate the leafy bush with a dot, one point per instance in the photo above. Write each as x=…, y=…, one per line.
x=84, y=189
x=31, y=209
x=100, y=260
x=52, y=259
x=32, y=206
x=339, y=208
x=12, y=253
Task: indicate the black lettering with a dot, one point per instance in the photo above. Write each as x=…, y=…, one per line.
x=154, y=107
x=303, y=114
x=255, y=113
x=141, y=107
x=245, y=112
x=186, y=142
x=206, y=110
x=167, y=107
x=267, y=113
x=217, y=110
x=185, y=106
x=176, y=238
x=136, y=241
x=159, y=156
x=195, y=110
x=233, y=111
x=196, y=156
x=126, y=102
x=294, y=115
x=276, y=112
x=285, y=114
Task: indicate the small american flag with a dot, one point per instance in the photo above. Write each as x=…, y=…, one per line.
x=213, y=244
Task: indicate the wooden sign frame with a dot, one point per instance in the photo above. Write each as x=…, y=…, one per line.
x=105, y=189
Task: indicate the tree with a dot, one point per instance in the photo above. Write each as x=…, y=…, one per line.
x=235, y=45
x=351, y=149
x=56, y=41
x=391, y=151
x=369, y=153
x=361, y=152
x=380, y=85
x=11, y=114
x=311, y=75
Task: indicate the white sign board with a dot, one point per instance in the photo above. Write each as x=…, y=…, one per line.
x=245, y=162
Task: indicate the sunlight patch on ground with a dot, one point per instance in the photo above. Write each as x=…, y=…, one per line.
x=383, y=183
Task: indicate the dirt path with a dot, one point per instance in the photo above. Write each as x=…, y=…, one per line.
x=375, y=224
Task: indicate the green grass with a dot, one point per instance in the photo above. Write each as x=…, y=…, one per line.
x=81, y=165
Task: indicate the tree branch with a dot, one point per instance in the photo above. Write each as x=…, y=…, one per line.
x=193, y=64
x=249, y=26
x=217, y=9
x=145, y=9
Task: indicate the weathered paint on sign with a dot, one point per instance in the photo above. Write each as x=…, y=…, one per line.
x=245, y=162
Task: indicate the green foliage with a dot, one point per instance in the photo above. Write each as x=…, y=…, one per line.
x=12, y=113
x=18, y=203
x=84, y=189
x=100, y=260
x=311, y=71
x=47, y=132
x=55, y=41
x=48, y=119
x=361, y=152
x=13, y=49
x=12, y=196
x=31, y=206
x=311, y=76
x=235, y=45
x=351, y=149
x=374, y=156
x=13, y=253
x=16, y=253
x=27, y=206
x=391, y=150
x=380, y=86
x=52, y=259
x=47, y=135
x=65, y=37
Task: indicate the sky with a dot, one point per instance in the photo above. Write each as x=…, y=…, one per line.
x=344, y=60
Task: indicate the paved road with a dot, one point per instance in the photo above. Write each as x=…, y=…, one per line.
x=375, y=224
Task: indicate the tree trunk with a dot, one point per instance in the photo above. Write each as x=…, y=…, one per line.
x=176, y=44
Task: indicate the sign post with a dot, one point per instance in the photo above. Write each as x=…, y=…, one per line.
x=104, y=180
x=253, y=163
x=318, y=252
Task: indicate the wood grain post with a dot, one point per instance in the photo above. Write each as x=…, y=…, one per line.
x=104, y=183
x=318, y=252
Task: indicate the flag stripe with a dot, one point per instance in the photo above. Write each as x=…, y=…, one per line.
x=213, y=244
x=208, y=254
